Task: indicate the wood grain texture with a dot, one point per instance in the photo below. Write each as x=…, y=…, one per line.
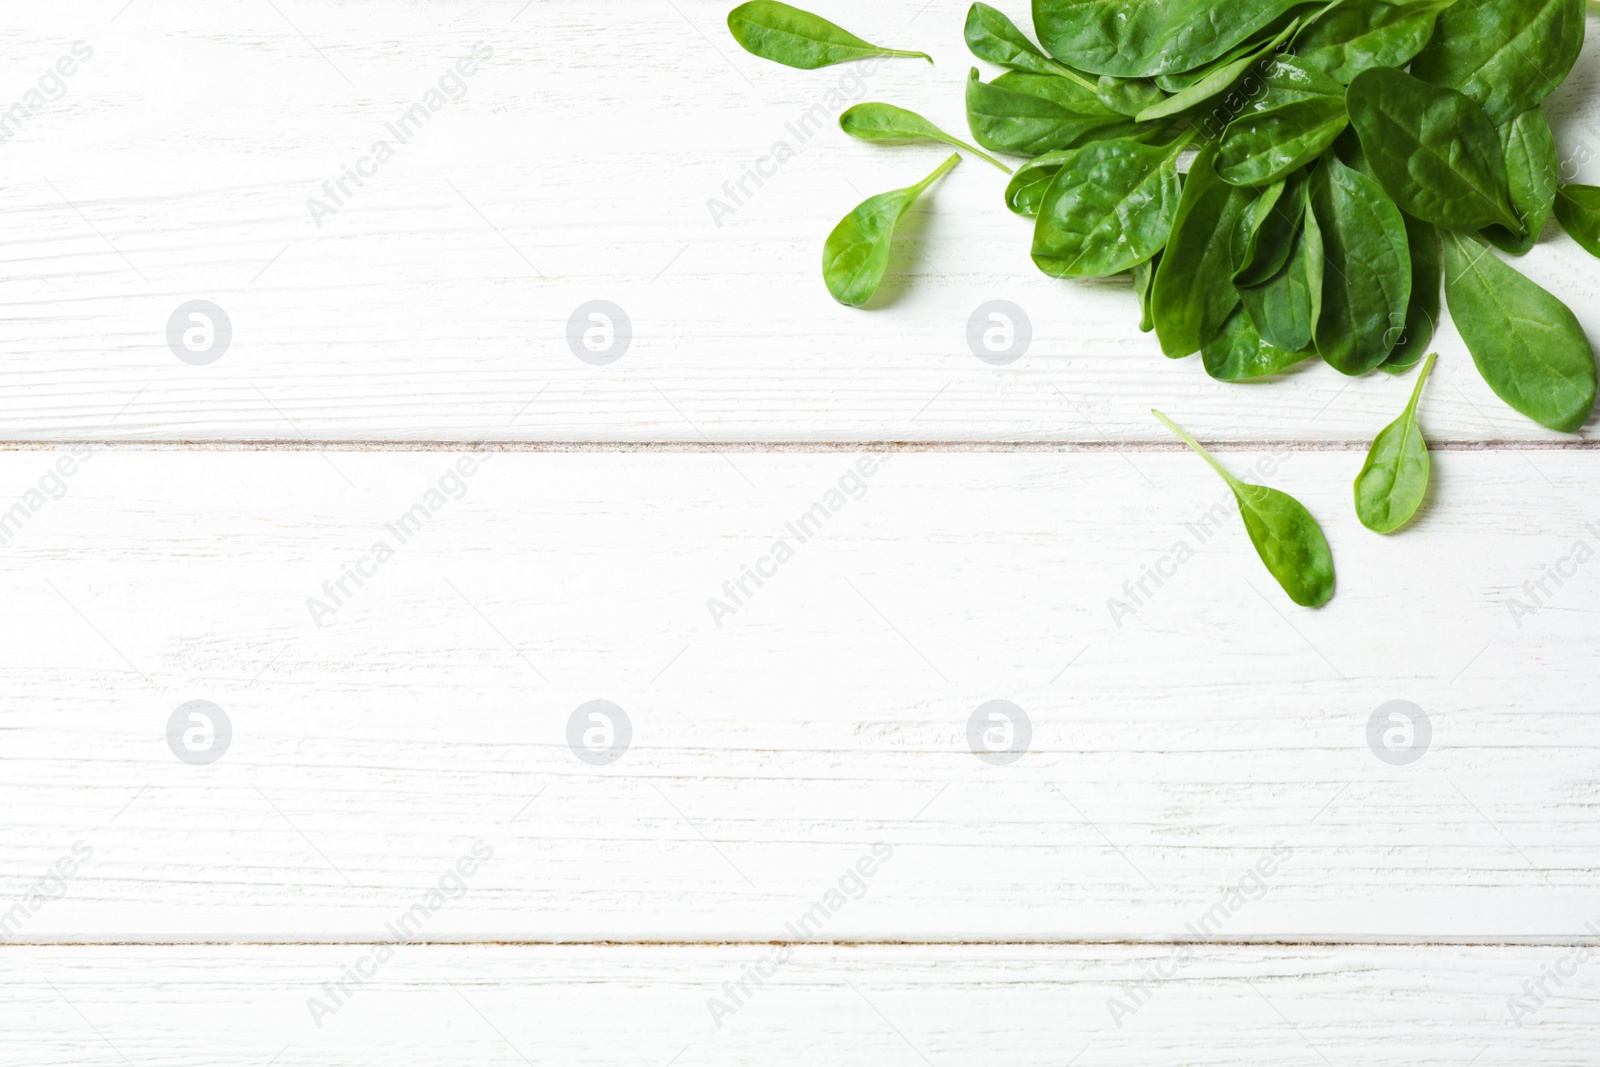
x=577, y=163
x=1176, y=741
x=1393, y=1007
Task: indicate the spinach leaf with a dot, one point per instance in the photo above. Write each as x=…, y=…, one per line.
x=1353, y=36
x=1286, y=307
x=1144, y=276
x=888, y=124
x=1394, y=480
x=1140, y=40
x=1532, y=165
x=1578, y=208
x=1301, y=113
x=1109, y=208
x=1527, y=344
x=1238, y=353
x=1286, y=537
x=1434, y=150
x=1193, y=294
x=1216, y=81
x=1128, y=96
x=1427, y=293
x=1025, y=192
x=1026, y=114
x=1508, y=55
x=1366, y=280
x=993, y=36
x=797, y=38
x=856, y=255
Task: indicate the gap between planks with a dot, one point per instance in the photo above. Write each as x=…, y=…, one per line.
x=900, y=942
x=795, y=447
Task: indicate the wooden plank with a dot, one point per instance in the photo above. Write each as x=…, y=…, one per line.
x=1179, y=742
x=579, y=161
x=251, y=1005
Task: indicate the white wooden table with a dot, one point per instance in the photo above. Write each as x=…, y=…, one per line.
x=399, y=536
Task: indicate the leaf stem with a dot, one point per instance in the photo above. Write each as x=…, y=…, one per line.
x=1192, y=443
x=939, y=172
x=1594, y=5
x=1080, y=81
x=1422, y=378
x=975, y=150
x=897, y=54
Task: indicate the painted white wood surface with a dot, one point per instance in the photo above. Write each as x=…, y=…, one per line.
x=588, y=1005
x=1170, y=753
x=178, y=161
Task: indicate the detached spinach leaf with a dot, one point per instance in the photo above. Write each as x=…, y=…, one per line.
x=1286, y=537
x=1532, y=165
x=887, y=124
x=1527, y=344
x=1366, y=282
x=1353, y=36
x=797, y=38
x=1394, y=480
x=1238, y=353
x=1578, y=208
x=1028, y=114
x=1140, y=40
x=1508, y=55
x=1109, y=208
x=856, y=255
x=1434, y=150
x=1194, y=294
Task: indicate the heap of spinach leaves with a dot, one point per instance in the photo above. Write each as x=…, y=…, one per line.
x=1283, y=180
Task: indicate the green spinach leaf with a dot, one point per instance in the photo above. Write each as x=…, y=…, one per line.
x=797, y=38
x=1301, y=113
x=1366, y=280
x=1527, y=344
x=1140, y=40
x=1394, y=480
x=1274, y=223
x=887, y=124
x=1193, y=294
x=1508, y=55
x=1144, y=276
x=1532, y=165
x=1433, y=149
x=1025, y=192
x=1028, y=114
x=1353, y=36
x=1109, y=208
x=1216, y=81
x=1128, y=96
x=993, y=36
x=1578, y=209
x=1286, y=307
x=1427, y=295
x=1238, y=353
x=1286, y=537
x=856, y=255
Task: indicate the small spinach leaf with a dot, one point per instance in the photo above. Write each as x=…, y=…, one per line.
x=1532, y=165
x=1366, y=280
x=1434, y=150
x=1286, y=537
x=1527, y=344
x=856, y=255
x=887, y=124
x=1508, y=55
x=1578, y=208
x=1109, y=208
x=993, y=36
x=1026, y=190
x=1194, y=294
x=1394, y=480
x=797, y=38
